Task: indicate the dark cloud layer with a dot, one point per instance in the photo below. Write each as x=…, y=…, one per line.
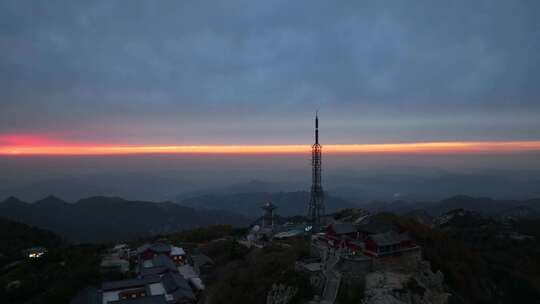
x=229, y=71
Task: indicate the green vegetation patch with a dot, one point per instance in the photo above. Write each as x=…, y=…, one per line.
x=248, y=276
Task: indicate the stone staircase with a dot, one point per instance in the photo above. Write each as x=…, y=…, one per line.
x=333, y=279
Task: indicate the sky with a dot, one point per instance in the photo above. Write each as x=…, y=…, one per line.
x=149, y=99
x=180, y=73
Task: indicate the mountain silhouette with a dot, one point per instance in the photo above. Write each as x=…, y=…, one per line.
x=109, y=218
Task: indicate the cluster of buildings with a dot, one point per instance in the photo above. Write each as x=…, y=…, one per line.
x=271, y=226
x=347, y=251
x=161, y=274
x=117, y=259
x=370, y=238
x=34, y=252
x=345, y=247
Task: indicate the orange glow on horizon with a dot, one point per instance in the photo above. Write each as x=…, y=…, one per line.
x=491, y=147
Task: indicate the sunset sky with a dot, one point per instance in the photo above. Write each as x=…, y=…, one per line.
x=114, y=77
x=150, y=99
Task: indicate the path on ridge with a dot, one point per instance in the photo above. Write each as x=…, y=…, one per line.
x=333, y=277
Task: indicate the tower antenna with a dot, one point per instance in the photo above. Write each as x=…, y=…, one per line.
x=316, y=198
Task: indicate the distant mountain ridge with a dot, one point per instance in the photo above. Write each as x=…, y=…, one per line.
x=436, y=186
x=484, y=205
x=129, y=185
x=252, y=186
x=250, y=203
x=111, y=218
x=384, y=184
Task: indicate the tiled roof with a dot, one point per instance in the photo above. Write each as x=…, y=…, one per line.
x=129, y=283
x=174, y=282
x=389, y=238
x=122, y=284
x=162, y=260
x=156, y=247
x=160, y=247
x=143, y=300
x=153, y=271
x=177, y=251
x=373, y=226
x=343, y=228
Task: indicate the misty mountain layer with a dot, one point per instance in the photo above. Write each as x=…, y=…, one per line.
x=108, y=219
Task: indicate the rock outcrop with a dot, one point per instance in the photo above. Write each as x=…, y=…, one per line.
x=281, y=294
x=420, y=287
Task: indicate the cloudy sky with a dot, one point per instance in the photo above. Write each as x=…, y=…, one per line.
x=255, y=72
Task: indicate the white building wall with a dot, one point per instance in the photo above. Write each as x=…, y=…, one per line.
x=110, y=296
x=157, y=289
